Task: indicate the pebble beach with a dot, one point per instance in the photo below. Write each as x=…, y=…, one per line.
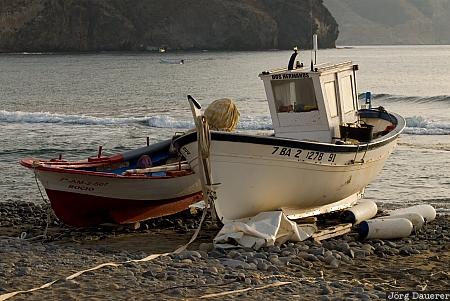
x=36, y=250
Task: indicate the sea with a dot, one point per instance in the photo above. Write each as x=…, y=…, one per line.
x=55, y=104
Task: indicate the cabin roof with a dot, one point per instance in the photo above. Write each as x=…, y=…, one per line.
x=318, y=69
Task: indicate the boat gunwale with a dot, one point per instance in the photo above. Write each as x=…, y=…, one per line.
x=97, y=173
x=304, y=144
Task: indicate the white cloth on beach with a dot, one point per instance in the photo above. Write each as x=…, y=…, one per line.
x=264, y=229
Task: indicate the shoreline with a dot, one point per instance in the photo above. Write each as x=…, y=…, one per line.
x=339, y=268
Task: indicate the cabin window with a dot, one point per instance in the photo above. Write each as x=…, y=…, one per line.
x=330, y=91
x=347, y=93
x=294, y=95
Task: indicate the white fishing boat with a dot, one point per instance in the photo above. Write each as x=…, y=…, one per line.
x=325, y=149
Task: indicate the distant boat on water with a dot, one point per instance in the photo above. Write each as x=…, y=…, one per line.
x=172, y=61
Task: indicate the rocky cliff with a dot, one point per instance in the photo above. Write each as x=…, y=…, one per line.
x=94, y=25
x=369, y=22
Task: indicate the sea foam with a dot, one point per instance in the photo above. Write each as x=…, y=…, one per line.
x=415, y=125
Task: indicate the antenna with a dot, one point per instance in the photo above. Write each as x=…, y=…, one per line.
x=315, y=47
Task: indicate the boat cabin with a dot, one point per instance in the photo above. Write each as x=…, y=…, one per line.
x=310, y=104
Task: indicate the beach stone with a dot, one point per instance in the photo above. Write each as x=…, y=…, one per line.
x=260, y=255
x=206, y=247
x=285, y=253
x=380, y=248
x=235, y=264
x=407, y=251
x=368, y=248
x=285, y=260
x=262, y=266
x=308, y=257
x=274, y=249
x=378, y=241
x=172, y=273
x=348, y=238
x=22, y=271
x=359, y=254
x=307, y=264
x=254, y=260
x=152, y=271
x=332, y=261
x=216, y=254
x=363, y=297
x=329, y=258
x=114, y=286
x=161, y=276
x=275, y=260
x=72, y=284
x=358, y=289
x=273, y=269
x=187, y=254
x=338, y=255
x=337, y=284
x=300, y=246
x=212, y=270
x=233, y=254
x=326, y=290
x=316, y=251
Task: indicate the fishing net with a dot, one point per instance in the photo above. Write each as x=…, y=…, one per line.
x=222, y=115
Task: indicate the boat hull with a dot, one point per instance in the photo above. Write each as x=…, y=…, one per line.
x=252, y=174
x=250, y=179
x=86, y=198
x=83, y=210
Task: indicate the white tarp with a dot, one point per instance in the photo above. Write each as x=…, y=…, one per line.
x=264, y=229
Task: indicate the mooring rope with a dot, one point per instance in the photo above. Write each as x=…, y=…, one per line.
x=46, y=202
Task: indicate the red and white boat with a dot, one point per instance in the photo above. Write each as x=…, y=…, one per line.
x=122, y=188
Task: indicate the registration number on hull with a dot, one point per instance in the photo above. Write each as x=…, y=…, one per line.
x=302, y=155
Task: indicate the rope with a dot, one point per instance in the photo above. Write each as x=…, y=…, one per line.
x=204, y=137
x=276, y=284
x=47, y=203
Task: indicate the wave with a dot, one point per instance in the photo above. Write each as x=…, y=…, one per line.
x=47, y=117
x=159, y=121
x=408, y=99
x=417, y=125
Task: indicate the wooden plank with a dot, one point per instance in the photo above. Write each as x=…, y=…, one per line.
x=307, y=220
x=330, y=232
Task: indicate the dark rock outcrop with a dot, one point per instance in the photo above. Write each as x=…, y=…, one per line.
x=95, y=25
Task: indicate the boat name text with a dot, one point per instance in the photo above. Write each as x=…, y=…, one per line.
x=84, y=188
x=77, y=182
x=290, y=76
x=304, y=155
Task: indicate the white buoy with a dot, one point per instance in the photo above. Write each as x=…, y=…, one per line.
x=362, y=211
x=427, y=211
x=415, y=218
x=389, y=228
